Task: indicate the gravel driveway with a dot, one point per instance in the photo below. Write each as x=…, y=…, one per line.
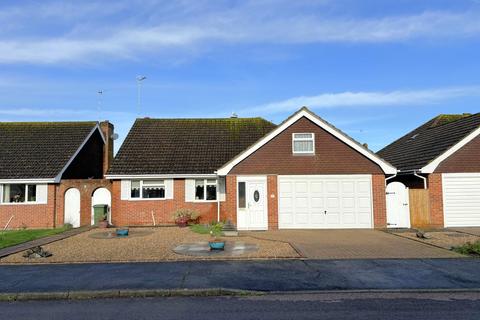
x=145, y=244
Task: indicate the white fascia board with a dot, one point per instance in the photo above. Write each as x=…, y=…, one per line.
x=157, y=176
x=430, y=168
x=32, y=181
x=387, y=168
x=97, y=127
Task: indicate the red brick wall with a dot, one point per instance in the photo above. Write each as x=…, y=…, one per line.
x=29, y=215
x=331, y=156
x=272, y=202
x=436, y=200
x=466, y=159
x=379, y=201
x=86, y=187
x=139, y=212
x=228, y=209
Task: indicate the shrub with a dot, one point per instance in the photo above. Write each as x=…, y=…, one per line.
x=469, y=248
x=216, y=229
x=185, y=215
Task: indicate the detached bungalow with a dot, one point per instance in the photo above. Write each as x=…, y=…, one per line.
x=49, y=172
x=303, y=173
x=442, y=157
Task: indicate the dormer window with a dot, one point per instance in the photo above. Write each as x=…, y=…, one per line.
x=303, y=143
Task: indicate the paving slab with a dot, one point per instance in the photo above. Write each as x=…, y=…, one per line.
x=353, y=244
x=469, y=230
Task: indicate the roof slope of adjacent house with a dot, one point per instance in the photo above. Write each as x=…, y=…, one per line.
x=40, y=150
x=432, y=140
x=185, y=146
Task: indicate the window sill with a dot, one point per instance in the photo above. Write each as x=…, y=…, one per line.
x=302, y=154
x=20, y=203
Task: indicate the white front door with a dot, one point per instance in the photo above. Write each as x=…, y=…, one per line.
x=72, y=207
x=398, y=210
x=252, y=211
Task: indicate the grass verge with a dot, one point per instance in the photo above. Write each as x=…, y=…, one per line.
x=13, y=237
x=472, y=249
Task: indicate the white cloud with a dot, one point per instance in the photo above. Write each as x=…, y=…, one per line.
x=162, y=27
x=366, y=99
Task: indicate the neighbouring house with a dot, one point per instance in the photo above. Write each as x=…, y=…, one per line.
x=52, y=172
x=439, y=163
x=303, y=173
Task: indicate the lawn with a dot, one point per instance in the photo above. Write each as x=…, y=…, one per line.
x=13, y=237
x=469, y=248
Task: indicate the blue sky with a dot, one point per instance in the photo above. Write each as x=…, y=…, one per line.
x=374, y=69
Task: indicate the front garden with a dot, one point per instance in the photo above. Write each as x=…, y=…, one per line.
x=13, y=237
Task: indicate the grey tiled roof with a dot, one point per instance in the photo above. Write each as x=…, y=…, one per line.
x=185, y=146
x=424, y=144
x=36, y=150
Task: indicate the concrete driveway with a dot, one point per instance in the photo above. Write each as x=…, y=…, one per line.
x=468, y=230
x=353, y=244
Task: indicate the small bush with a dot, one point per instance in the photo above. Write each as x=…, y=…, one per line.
x=186, y=215
x=469, y=248
x=216, y=229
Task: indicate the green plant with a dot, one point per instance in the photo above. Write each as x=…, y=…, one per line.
x=216, y=229
x=185, y=214
x=200, y=228
x=469, y=248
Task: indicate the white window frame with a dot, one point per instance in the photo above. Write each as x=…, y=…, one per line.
x=2, y=189
x=205, y=190
x=303, y=139
x=141, y=198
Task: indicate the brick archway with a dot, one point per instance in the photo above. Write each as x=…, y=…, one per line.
x=86, y=187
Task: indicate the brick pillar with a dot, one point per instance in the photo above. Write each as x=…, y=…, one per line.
x=107, y=130
x=228, y=208
x=272, y=196
x=379, y=201
x=116, y=212
x=436, y=200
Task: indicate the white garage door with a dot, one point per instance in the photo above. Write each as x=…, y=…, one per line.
x=325, y=201
x=461, y=199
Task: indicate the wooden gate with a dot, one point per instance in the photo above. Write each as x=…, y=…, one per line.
x=419, y=208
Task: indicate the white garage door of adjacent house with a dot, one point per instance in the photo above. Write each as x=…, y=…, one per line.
x=461, y=199
x=325, y=202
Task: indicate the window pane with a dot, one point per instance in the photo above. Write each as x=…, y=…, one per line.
x=153, y=192
x=303, y=146
x=153, y=182
x=32, y=192
x=14, y=193
x=242, y=201
x=199, y=190
x=135, y=189
x=303, y=135
x=211, y=192
x=211, y=181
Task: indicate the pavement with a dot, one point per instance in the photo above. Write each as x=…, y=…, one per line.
x=469, y=230
x=353, y=244
x=268, y=276
x=358, y=306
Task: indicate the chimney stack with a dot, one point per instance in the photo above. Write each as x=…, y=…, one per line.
x=107, y=130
